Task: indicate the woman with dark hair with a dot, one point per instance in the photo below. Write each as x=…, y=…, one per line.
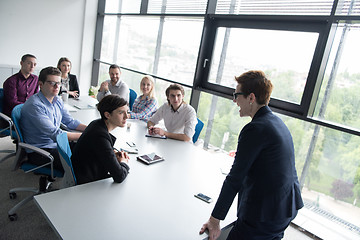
x=94, y=157
x=69, y=81
x=263, y=174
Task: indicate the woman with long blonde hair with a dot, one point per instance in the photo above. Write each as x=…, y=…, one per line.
x=146, y=104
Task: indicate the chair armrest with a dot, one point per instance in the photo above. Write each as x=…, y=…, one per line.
x=6, y=118
x=40, y=151
x=8, y=130
x=36, y=149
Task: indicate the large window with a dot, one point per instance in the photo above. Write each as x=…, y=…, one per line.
x=309, y=49
x=289, y=52
x=238, y=50
x=179, y=49
x=339, y=99
x=166, y=47
x=135, y=41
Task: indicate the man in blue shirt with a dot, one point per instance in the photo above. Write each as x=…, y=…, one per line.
x=41, y=116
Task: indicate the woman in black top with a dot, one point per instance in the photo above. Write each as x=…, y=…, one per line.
x=69, y=81
x=94, y=157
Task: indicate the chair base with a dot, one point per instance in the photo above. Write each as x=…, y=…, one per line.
x=11, y=154
x=44, y=186
x=12, y=212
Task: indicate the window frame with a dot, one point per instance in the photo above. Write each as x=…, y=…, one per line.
x=212, y=22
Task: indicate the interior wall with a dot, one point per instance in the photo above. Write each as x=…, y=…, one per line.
x=49, y=30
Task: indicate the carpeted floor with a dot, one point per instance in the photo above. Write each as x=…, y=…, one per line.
x=31, y=224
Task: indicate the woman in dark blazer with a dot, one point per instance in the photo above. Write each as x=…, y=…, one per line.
x=94, y=157
x=263, y=173
x=69, y=81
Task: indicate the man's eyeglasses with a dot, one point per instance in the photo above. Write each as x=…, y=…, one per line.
x=54, y=83
x=235, y=94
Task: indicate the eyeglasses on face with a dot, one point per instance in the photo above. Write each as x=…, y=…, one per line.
x=236, y=94
x=54, y=83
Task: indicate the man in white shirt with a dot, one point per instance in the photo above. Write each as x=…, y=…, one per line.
x=179, y=117
x=114, y=85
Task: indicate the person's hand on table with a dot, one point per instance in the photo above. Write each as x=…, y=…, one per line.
x=213, y=226
x=158, y=131
x=122, y=157
x=151, y=130
x=75, y=94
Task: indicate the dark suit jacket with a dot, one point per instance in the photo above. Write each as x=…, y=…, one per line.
x=93, y=156
x=73, y=84
x=263, y=173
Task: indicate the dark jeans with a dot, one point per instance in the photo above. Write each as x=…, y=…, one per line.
x=245, y=230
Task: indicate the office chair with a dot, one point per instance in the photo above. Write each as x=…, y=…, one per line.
x=199, y=126
x=46, y=171
x=5, y=132
x=1, y=99
x=7, y=128
x=63, y=147
x=132, y=98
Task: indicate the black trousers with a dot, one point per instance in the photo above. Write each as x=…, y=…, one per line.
x=38, y=159
x=246, y=230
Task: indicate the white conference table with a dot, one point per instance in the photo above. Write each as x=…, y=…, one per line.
x=154, y=201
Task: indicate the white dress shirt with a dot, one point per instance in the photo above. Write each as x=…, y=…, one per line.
x=182, y=121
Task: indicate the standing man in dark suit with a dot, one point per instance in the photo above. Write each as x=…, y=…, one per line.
x=263, y=173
